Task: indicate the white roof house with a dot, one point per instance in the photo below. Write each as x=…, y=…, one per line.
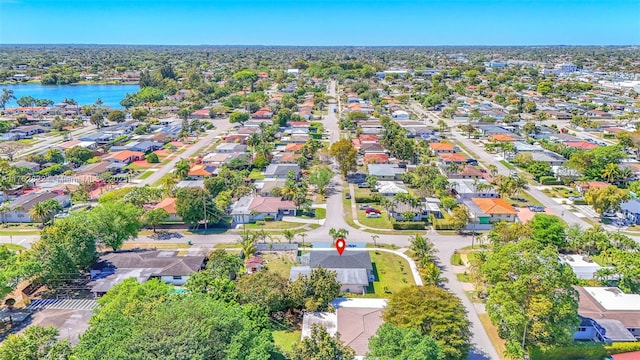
x=613, y=299
x=582, y=266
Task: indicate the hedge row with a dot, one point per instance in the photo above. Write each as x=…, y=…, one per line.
x=549, y=180
x=443, y=225
x=366, y=199
x=588, y=351
x=408, y=226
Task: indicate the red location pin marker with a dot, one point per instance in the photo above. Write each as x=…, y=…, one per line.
x=340, y=245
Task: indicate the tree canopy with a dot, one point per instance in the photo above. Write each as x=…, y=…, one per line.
x=434, y=312
x=396, y=343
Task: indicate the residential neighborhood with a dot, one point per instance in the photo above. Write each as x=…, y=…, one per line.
x=466, y=185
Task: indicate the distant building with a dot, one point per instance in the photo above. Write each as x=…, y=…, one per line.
x=608, y=315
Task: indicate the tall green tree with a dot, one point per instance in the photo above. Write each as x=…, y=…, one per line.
x=319, y=345
x=195, y=205
x=345, y=154
x=531, y=298
x=35, y=343
x=321, y=178
x=548, y=230
x=115, y=222
x=155, y=217
x=182, y=169
x=265, y=288
x=434, y=312
x=396, y=343
x=314, y=292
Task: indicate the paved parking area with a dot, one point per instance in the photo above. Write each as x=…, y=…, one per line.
x=70, y=323
x=587, y=210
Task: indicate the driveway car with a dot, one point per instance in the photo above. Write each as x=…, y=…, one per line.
x=373, y=215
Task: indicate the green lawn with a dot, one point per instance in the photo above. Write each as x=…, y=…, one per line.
x=462, y=277
x=392, y=273
x=19, y=233
x=384, y=246
x=285, y=339
x=146, y=175
x=274, y=225
x=279, y=263
x=256, y=175
x=14, y=247
x=507, y=164
x=321, y=213
x=382, y=222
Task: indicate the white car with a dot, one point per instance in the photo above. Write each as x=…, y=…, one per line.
x=373, y=215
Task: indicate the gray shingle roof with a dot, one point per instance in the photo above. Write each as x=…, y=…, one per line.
x=348, y=260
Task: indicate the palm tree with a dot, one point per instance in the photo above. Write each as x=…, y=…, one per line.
x=247, y=244
x=6, y=97
x=493, y=170
x=421, y=247
x=303, y=235
x=289, y=235
x=182, y=169
x=375, y=238
x=3, y=210
x=168, y=184
x=432, y=274
x=338, y=233
x=624, y=175
x=40, y=212
x=574, y=235
x=610, y=172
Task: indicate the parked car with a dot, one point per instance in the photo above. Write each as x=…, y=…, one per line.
x=374, y=215
x=609, y=214
x=372, y=210
x=347, y=196
x=365, y=207
x=536, y=208
x=363, y=185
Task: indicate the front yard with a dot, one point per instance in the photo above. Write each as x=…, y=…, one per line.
x=392, y=274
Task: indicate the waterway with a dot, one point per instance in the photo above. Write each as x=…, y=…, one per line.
x=111, y=95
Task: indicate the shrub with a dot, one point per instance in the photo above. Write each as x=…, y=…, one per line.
x=408, y=226
x=366, y=199
x=623, y=347
x=579, y=202
x=443, y=225
x=269, y=218
x=152, y=158
x=549, y=180
x=587, y=351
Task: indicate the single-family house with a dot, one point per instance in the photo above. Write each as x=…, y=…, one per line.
x=27, y=131
x=33, y=166
x=501, y=138
x=400, y=115
x=421, y=211
x=227, y=148
x=440, y=147
x=582, y=266
x=376, y=158
x=201, y=171
x=466, y=172
x=448, y=158
x=200, y=114
x=490, y=210
x=286, y=158
x=465, y=189
x=190, y=184
x=551, y=158
x=20, y=208
x=250, y=208
x=386, y=171
x=631, y=210
x=583, y=186
x=354, y=270
x=372, y=148
x=113, y=268
x=263, y=113
x=169, y=205
x=581, y=145
x=125, y=156
x=265, y=187
x=607, y=315
x=281, y=171
x=391, y=188
x=73, y=143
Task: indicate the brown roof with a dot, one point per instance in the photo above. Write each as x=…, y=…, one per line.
x=293, y=147
x=590, y=308
x=357, y=325
x=125, y=155
x=494, y=206
x=377, y=158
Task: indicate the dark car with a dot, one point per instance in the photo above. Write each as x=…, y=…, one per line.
x=347, y=196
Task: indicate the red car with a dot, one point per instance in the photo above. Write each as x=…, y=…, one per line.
x=372, y=210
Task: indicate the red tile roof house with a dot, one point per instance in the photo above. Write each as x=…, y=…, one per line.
x=584, y=186
x=200, y=114
x=253, y=264
x=169, y=205
x=125, y=156
x=263, y=113
x=583, y=145
x=440, y=148
x=376, y=158
x=447, y=158
x=250, y=209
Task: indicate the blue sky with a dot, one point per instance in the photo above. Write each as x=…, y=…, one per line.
x=318, y=22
